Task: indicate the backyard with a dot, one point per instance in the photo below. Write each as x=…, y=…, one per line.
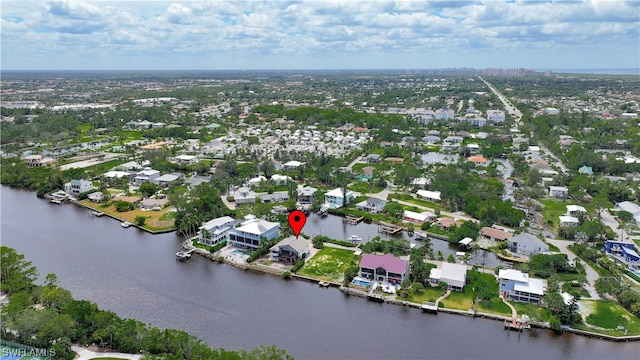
x=162, y=220
x=328, y=264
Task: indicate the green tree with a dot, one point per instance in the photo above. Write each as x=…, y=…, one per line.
x=147, y=189
x=139, y=220
x=16, y=274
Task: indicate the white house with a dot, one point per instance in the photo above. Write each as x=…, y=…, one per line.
x=372, y=205
x=335, y=198
x=569, y=221
x=518, y=286
x=76, y=187
x=256, y=181
x=526, y=244
x=631, y=207
x=244, y=195
x=417, y=218
x=576, y=210
x=167, y=179
x=495, y=115
x=558, y=191
x=306, y=195
x=292, y=165
x=280, y=179
x=147, y=174
x=186, y=159
x=215, y=230
x=251, y=233
x=454, y=275
x=430, y=195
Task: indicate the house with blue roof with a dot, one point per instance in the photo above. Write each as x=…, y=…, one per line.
x=624, y=252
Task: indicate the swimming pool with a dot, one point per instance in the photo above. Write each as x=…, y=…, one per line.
x=238, y=252
x=363, y=283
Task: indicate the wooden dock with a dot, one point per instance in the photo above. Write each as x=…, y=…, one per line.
x=352, y=220
x=184, y=255
x=323, y=284
x=389, y=229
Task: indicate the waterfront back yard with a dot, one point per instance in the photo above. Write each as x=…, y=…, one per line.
x=607, y=317
x=162, y=220
x=328, y=264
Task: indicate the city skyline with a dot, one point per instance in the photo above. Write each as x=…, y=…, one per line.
x=252, y=35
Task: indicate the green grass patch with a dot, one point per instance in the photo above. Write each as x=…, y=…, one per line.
x=552, y=210
x=429, y=294
x=410, y=199
x=379, y=167
x=535, y=312
x=553, y=247
x=632, y=275
x=609, y=315
x=365, y=187
x=461, y=300
x=494, y=306
x=328, y=264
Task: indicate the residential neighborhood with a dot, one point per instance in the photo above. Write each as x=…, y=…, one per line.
x=422, y=189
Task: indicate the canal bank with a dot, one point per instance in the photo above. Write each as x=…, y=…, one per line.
x=135, y=275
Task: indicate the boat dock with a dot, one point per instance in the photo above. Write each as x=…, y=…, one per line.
x=323, y=284
x=184, y=255
x=352, y=220
x=389, y=229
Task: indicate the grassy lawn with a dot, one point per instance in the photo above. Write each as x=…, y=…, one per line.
x=553, y=247
x=552, y=209
x=428, y=294
x=411, y=199
x=494, y=306
x=608, y=315
x=328, y=264
x=379, y=167
x=534, y=311
x=365, y=187
x=461, y=300
x=155, y=220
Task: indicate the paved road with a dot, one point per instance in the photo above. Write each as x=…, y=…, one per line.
x=592, y=275
x=554, y=157
x=507, y=104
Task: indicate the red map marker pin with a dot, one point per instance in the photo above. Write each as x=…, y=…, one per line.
x=297, y=219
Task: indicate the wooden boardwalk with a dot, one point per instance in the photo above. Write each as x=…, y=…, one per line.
x=352, y=220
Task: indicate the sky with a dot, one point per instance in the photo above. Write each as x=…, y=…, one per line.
x=318, y=34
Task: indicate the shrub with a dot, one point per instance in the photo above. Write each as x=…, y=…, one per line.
x=297, y=266
x=139, y=220
x=286, y=275
x=317, y=242
x=124, y=206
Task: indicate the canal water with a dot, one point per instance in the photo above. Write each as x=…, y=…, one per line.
x=136, y=275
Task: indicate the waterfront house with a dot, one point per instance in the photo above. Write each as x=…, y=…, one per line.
x=576, y=210
x=77, y=187
x=215, y=230
x=130, y=199
x=335, y=198
x=624, y=252
x=96, y=196
x=251, y=232
x=417, y=218
x=559, y=192
x=153, y=204
x=568, y=221
x=275, y=197
x=244, y=195
x=384, y=268
x=495, y=234
x=371, y=205
x=289, y=250
x=454, y=275
x=517, y=286
x=429, y=195
x=446, y=223
x=526, y=244
x=306, y=195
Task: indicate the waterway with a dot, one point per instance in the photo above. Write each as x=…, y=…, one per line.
x=136, y=275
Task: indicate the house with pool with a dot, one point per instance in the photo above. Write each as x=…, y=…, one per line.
x=384, y=268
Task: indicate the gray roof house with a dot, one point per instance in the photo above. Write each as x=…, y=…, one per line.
x=372, y=205
x=289, y=250
x=526, y=244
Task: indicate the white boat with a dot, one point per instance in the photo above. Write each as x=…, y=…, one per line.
x=354, y=239
x=97, y=213
x=421, y=235
x=125, y=224
x=324, y=209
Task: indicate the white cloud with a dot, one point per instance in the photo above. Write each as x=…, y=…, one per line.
x=179, y=32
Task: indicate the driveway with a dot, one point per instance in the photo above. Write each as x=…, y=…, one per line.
x=592, y=275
